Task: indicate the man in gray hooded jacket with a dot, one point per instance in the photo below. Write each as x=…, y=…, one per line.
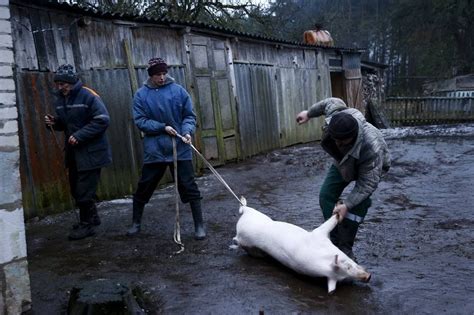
x=360, y=154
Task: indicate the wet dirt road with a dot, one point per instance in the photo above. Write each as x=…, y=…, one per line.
x=417, y=240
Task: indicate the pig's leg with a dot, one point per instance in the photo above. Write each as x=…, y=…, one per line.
x=254, y=251
x=331, y=285
x=327, y=226
x=235, y=244
x=332, y=282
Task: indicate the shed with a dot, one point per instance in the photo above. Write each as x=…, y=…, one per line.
x=247, y=89
x=460, y=86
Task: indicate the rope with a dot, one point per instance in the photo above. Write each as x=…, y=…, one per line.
x=213, y=170
x=177, y=229
x=177, y=233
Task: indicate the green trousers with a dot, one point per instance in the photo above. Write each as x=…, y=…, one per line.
x=330, y=193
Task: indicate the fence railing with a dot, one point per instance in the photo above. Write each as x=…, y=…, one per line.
x=409, y=111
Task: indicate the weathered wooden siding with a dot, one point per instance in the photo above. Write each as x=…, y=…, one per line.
x=409, y=111
x=274, y=84
x=257, y=107
x=113, y=87
x=246, y=93
x=43, y=39
x=214, y=99
x=353, y=80
x=323, y=88
x=102, y=50
x=148, y=42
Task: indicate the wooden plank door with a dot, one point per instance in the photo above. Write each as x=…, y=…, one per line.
x=214, y=99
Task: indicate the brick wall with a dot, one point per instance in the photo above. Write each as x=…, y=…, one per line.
x=15, y=296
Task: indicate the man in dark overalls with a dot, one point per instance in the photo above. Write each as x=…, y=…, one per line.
x=83, y=117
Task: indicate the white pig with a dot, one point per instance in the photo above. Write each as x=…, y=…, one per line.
x=309, y=253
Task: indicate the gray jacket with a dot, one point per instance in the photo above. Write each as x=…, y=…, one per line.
x=366, y=161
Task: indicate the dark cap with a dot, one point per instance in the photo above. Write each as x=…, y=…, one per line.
x=65, y=73
x=343, y=126
x=156, y=65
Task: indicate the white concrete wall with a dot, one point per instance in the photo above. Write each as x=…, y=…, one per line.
x=15, y=296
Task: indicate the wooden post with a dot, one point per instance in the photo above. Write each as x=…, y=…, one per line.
x=130, y=66
x=405, y=114
x=471, y=110
x=134, y=86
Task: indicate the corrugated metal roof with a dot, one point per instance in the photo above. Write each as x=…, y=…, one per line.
x=373, y=65
x=165, y=21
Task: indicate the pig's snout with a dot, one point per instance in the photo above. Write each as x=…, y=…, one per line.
x=367, y=277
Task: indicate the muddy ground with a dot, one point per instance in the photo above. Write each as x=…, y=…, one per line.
x=417, y=240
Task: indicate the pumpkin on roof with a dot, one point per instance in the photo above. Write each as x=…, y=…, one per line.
x=318, y=36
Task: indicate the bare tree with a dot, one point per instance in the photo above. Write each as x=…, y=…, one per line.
x=215, y=12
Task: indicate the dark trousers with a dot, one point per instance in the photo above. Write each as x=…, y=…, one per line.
x=83, y=185
x=330, y=193
x=152, y=174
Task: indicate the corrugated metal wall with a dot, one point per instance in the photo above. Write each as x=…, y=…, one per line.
x=43, y=175
x=271, y=84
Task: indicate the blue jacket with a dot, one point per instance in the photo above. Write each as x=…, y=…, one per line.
x=154, y=108
x=83, y=115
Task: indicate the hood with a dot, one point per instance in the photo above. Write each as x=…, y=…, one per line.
x=148, y=83
x=75, y=89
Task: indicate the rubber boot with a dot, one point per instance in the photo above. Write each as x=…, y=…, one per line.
x=81, y=218
x=95, y=216
x=347, y=231
x=199, y=230
x=85, y=228
x=136, y=219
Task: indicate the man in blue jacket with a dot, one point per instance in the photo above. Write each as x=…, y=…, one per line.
x=82, y=115
x=162, y=109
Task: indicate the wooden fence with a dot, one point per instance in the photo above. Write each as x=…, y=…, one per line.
x=411, y=111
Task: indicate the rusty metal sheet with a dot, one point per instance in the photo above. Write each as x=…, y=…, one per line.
x=43, y=175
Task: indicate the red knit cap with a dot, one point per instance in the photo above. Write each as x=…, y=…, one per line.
x=156, y=65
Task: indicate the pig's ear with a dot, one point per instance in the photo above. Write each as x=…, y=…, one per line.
x=243, y=201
